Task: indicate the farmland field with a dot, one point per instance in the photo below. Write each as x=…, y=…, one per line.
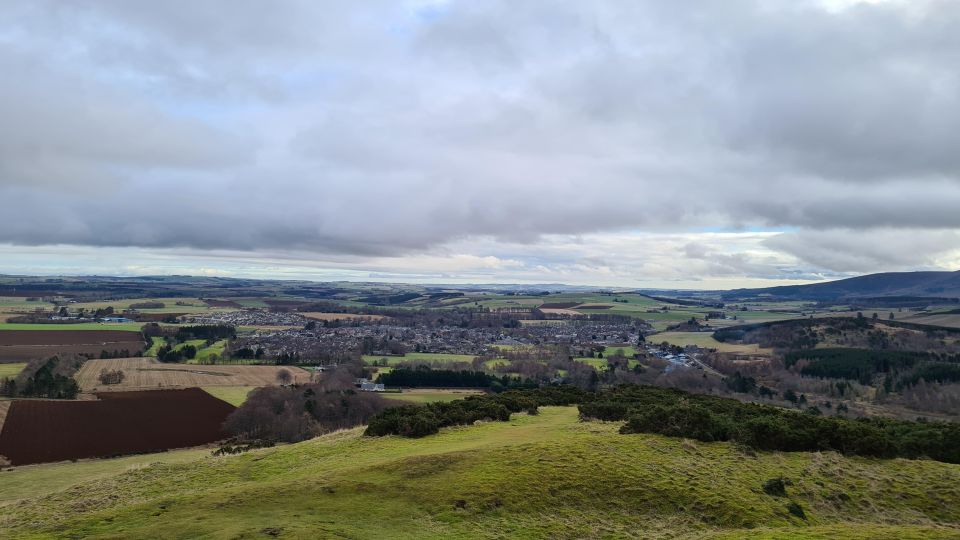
x=188, y=305
x=234, y=395
x=149, y=374
x=339, y=316
x=705, y=340
x=424, y=357
x=40, y=431
x=18, y=345
x=11, y=370
x=125, y=327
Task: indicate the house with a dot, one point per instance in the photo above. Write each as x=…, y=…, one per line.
x=371, y=387
x=116, y=319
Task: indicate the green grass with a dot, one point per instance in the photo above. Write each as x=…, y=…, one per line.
x=195, y=305
x=20, y=303
x=234, y=395
x=156, y=343
x=491, y=364
x=545, y=476
x=597, y=363
x=11, y=370
x=426, y=357
x=33, y=481
x=601, y=363
x=705, y=340
x=132, y=327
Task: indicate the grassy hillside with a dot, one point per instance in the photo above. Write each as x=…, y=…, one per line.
x=536, y=476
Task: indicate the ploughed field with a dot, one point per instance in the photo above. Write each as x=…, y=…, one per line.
x=19, y=345
x=149, y=374
x=40, y=431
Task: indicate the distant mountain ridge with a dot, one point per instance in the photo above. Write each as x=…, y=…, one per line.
x=887, y=284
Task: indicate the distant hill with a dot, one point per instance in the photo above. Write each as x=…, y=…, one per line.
x=888, y=285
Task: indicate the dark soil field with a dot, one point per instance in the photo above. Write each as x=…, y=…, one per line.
x=22, y=345
x=40, y=431
x=559, y=305
x=66, y=337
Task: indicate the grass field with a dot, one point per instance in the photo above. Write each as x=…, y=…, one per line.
x=429, y=395
x=544, y=476
x=32, y=481
x=14, y=303
x=338, y=316
x=705, y=340
x=425, y=357
x=234, y=395
x=156, y=343
x=11, y=370
x=191, y=305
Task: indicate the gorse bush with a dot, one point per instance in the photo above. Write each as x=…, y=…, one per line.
x=676, y=413
x=422, y=420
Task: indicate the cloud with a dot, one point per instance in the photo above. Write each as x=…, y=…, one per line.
x=406, y=129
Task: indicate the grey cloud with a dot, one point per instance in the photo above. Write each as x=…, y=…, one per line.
x=390, y=128
x=852, y=251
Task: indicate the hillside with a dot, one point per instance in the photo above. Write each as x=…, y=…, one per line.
x=889, y=284
x=535, y=476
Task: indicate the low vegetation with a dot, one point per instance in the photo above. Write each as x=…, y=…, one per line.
x=420, y=421
x=708, y=418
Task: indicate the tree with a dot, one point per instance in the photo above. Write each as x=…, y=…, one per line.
x=284, y=377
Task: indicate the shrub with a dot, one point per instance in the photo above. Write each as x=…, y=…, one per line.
x=776, y=487
x=796, y=510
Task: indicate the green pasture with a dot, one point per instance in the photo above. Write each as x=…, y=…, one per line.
x=543, y=476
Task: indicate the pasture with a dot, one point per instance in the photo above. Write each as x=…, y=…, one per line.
x=170, y=305
x=706, y=341
x=29, y=481
x=149, y=374
x=234, y=395
x=544, y=476
x=11, y=370
x=317, y=316
x=374, y=359
x=42, y=431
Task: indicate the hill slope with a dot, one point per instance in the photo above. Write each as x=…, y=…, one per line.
x=536, y=476
x=889, y=284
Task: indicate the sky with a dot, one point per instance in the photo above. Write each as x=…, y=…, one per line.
x=636, y=143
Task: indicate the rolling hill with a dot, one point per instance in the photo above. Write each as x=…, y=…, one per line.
x=888, y=285
x=543, y=476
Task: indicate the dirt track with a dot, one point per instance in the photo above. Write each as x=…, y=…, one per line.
x=40, y=431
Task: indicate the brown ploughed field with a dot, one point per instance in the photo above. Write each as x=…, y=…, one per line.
x=41, y=431
x=22, y=345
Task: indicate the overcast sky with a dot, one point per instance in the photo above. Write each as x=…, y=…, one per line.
x=703, y=144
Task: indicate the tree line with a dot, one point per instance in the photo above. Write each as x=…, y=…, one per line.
x=50, y=378
x=424, y=376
